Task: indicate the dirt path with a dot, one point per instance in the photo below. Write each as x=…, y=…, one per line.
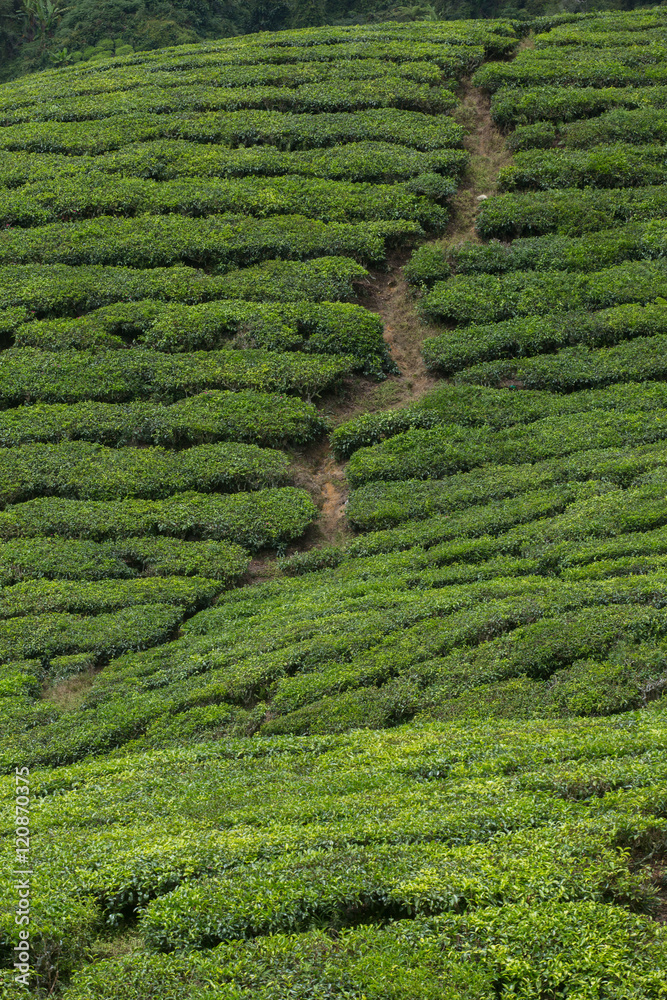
x=486, y=145
x=388, y=294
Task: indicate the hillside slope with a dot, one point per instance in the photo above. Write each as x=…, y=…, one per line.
x=333, y=610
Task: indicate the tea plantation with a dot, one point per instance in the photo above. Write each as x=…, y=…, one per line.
x=422, y=755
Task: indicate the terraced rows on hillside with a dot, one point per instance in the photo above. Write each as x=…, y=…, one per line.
x=422, y=760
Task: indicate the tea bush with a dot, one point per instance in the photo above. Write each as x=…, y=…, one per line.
x=529, y=105
x=643, y=125
x=409, y=128
x=537, y=335
x=473, y=406
x=576, y=367
x=614, y=67
x=320, y=328
x=263, y=418
x=48, y=596
x=555, y=252
x=481, y=298
x=606, y=166
x=105, y=635
x=382, y=162
x=53, y=558
x=89, y=195
x=81, y=470
x=267, y=517
x=31, y=375
x=449, y=448
x=57, y=289
x=223, y=241
x=568, y=211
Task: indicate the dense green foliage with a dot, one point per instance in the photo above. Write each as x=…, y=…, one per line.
x=189, y=238
x=257, y=417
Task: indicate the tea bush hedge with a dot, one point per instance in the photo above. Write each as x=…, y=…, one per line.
x=448, y=448
x=391, y=90
x=31, y=375
x=542, y=334
x=223, y=241
x=86, y=471
x=91, y=195
x=58, y=289
x=530, y=105
x=263, y=418
x=481, y=298
x=320, y=328
x=576, y=367
x=474, y=406
x=615, y=67
x=551, y=253
x=90, y=598
x=104, y=635
x=606, y=166
x=409, y=128
x=378, y=161
x=643, y=125
x=53, y=558
x=383, y=503
x=568, y=211
x=267, y=517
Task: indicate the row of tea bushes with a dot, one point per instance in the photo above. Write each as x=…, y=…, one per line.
x=486, y=298
x=385, y=503
x=513, y=106
x=98, y=193
x=262, y=418
x=29, y=375
x=42, y=597
x=577, y=367
x=58, y=289
x=224, y=241
x=568, y=211
x=82, y=470
x=381, y=162
x=449, y=448
x=474, y=406
x=103, y=635
x=640, y=126
x=605, y=248
x=54, y=558
x=608, y=166
x=319, y=328
x=619, y=67
x=331, y=95
x=264, y=518
x=413, y=129
x=542, y=334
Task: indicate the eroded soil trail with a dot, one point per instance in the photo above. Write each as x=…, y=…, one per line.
x=488, y=153
x=388, y=294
